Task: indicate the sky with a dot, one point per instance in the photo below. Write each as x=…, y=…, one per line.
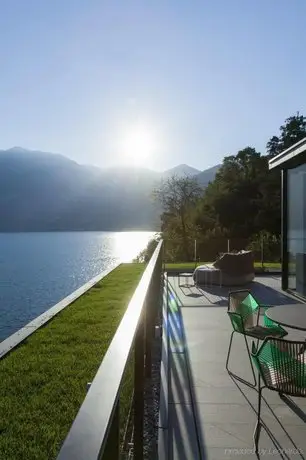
x=153, y=83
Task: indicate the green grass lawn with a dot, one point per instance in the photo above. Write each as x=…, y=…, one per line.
x=190, y=265
x=43, y=382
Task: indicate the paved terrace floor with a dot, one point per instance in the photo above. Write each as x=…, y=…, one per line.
x=208, y=414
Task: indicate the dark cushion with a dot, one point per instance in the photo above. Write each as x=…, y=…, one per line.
x=236, y=264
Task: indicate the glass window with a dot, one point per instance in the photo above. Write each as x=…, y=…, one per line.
x=297, y=229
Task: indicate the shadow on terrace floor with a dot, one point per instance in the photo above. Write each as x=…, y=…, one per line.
x=266, y=289
x=211, y=416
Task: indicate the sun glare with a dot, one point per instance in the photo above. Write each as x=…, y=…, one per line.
x=138, y=144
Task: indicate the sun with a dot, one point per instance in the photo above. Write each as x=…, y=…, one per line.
x=138, y=144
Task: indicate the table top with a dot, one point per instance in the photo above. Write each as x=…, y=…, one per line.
x=293, y=315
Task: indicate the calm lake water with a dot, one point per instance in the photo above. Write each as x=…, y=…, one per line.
x=37, y=270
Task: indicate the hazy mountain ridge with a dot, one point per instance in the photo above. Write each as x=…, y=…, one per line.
x=42, y=191
x=181, y=170
x=207, y=175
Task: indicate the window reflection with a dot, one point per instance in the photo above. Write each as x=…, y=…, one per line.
x=297, y=229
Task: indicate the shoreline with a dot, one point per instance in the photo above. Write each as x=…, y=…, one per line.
x=44, y=380
x=15, y=339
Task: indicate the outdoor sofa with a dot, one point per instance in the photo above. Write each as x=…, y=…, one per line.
x=230, y=269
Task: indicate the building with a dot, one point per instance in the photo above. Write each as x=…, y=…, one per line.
x=292, y=163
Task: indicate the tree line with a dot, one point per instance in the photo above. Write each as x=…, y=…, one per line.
x=242, y=203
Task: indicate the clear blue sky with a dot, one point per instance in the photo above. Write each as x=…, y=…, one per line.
x=205, y=77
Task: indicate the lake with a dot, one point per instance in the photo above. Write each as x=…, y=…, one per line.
x=37, y=270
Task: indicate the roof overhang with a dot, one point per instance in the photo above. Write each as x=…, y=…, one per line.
x=294, y=156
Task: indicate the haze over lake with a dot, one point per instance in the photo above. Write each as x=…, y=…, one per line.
x=39, y=269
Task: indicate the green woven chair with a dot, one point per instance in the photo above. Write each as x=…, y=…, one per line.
x=244, y=313
x=282, y=367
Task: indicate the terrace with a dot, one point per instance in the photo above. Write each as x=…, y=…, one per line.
x=140, y=394
x=204, y=413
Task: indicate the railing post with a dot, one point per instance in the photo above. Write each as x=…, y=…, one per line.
x=112, y=449
x=139, y=390
x=160, y=278
x=149, y=324
x=153, y=304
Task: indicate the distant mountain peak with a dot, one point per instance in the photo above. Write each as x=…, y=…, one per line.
x=182, y=170
x=17, y=150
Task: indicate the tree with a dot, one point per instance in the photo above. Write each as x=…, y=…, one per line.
x=242, y=201
x=292, y=131
x=274, y=146
x=245, y=196
x=178, y=197
x=235, y=196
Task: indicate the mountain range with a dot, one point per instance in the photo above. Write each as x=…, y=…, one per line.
x=48, y=192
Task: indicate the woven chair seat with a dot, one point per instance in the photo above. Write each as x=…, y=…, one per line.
x=285, y=379
x=261, y=332
x=286, y=384
x=287, y=388
x=282, y=367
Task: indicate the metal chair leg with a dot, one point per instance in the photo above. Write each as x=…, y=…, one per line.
x=229, y=350
x=250, y=358
x=258, y=424
x=252, y=385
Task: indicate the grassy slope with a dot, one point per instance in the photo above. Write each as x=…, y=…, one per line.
x=43, y=382
x=190, y=265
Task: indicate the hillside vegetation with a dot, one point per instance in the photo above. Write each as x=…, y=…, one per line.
x=242, y=204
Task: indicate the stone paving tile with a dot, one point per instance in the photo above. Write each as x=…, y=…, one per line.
x=179, y=380
x=237, y=413
x=182, y=433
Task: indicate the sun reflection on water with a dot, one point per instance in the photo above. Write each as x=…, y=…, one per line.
x=127, y=245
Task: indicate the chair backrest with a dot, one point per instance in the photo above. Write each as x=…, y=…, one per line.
x=243, y=310
x=241, y=263
x=282, y=365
